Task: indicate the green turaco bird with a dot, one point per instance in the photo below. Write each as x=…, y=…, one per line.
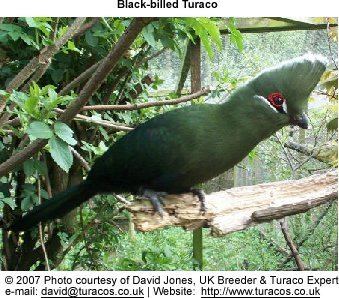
x=173, y=152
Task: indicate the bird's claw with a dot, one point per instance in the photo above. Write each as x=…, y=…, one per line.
x=156, y=200
x=201, y=196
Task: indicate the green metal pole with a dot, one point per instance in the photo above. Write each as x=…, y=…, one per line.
x=195, y=61
x=197, y=249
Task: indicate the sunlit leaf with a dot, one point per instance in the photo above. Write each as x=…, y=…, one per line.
x=39, y=130
x=61, y=153
x=64, y=132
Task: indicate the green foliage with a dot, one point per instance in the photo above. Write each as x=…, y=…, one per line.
x=148, y=34
x=39, y=130
x=96, y=150
x=36, y=112
x=64, y=132
x=207, y=31
x=38, y=104
x=71, y=47
x=170, y=32
x=236, y=37
x=60, y=153
x=41, y=24
x=8, y=201
x=29, y=196
x=33, y=166
x=14, y=32
x=58, y=143
x=159, y=250
x=333, y=124
x=5, y=196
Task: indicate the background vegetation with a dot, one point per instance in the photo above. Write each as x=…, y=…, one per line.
x=99, y=235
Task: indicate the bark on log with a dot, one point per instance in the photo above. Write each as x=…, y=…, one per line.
x=240, y=207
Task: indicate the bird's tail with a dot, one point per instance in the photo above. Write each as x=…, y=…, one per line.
x=56, y=207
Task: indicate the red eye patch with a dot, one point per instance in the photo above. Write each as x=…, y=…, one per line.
x=276, y=99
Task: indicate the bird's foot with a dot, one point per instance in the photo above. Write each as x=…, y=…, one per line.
x=201, y=196
x=155, y=197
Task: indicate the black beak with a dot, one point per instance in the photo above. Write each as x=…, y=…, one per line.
x=300, y=120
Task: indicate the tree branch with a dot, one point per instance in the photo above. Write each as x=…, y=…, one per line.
x=293, y=27
x=130, y=107
x=80, y=79
x=291, y=245
x=273, y=243
x=19, y=157
x=185, y=67
x=136, y=91
x=82, y=161
x=104, y=123
x=240, y=207
x=150, y=57
x=42, y=68
x=310, y=232
x=36, y=76
x=86, y=26
x=327, y=153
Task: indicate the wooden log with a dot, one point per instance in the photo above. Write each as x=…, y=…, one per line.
x=240, y=207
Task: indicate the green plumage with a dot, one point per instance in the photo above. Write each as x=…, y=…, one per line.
x=181, y=148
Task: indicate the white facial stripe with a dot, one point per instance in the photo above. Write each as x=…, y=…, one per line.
x=267, y=102
x=284, y=106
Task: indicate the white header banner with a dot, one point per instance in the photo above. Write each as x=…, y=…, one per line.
x=167, y=8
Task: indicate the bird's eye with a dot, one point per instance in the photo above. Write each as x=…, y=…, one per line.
x=276, y=99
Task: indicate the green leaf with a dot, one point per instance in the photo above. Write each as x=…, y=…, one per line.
x=13, y=31
x=207, y=32
x=3, y=93
x=34, y=89
x=26, y=204
x=31, y=105
x=71, y=46
x=28, y=40
x=61, y=153
x=148, y=34
x=57, y=75
x=236, y=36
x=39, y=130
x=31, y=23
x=9, y=201
x=10, y=27
x=52, y=95
x=19, y=98
x=39, y=23
x=63, y=131
x=31, y=166
x=212, y=30
x=333, y=124
x=4, y=189
x=91, y=39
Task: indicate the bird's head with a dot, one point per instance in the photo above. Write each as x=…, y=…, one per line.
x=286, y=87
